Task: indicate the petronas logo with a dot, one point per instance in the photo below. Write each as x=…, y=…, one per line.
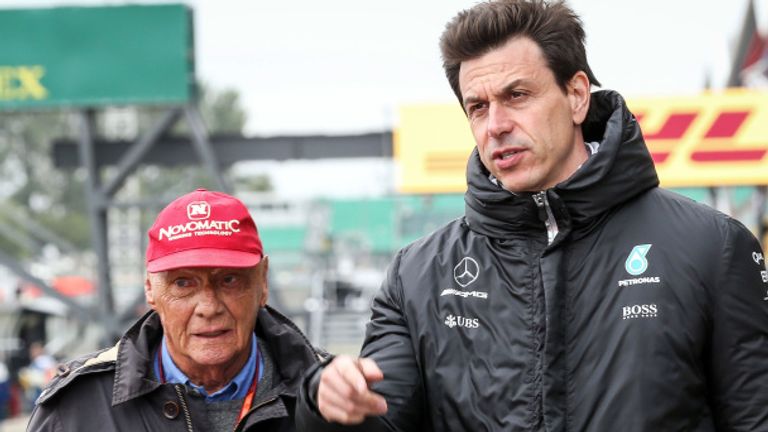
x=636, y=263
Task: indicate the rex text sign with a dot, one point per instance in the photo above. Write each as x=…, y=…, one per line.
x=96, y=56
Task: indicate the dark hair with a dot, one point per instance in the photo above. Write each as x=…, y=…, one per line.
x=554, y=27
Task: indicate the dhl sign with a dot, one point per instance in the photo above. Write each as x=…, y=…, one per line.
x=431, y=147
x=712, y=139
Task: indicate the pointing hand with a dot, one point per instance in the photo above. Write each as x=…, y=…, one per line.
x=344, y=395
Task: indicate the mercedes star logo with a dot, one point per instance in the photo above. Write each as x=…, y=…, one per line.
x=466, y=271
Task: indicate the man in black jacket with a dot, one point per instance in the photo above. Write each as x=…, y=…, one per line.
x=575, y=295
x=210, y=356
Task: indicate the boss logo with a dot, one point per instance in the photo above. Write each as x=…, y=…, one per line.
x=639, y=311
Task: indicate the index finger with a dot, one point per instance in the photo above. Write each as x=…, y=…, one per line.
x=370, y=370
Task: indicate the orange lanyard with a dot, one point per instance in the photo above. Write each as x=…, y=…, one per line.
x=247, y=402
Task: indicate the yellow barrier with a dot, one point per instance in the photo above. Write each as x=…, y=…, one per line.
x=711, y=139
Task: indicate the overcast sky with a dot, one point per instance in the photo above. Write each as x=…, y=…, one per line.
x=345, y=66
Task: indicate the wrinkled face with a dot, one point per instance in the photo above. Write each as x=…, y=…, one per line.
x=208, y=314
x=526, y=128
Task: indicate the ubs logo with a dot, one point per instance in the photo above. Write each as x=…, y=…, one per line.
x=453, y=321
x=466, y=271
x=198, y=210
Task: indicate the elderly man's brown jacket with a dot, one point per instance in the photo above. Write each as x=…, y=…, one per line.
x=116, y=389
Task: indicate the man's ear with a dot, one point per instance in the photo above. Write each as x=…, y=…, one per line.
x=263, y=281
x=579, y=96
x=149, y=294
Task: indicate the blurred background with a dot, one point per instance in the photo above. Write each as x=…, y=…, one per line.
x=331, y=120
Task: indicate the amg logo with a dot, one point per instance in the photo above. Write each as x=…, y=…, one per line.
x=639, y=311
x=453, y=321
x=638, y=281
x=465, y=294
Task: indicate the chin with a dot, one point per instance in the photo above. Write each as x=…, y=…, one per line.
x=516, y=187
x=212, y=354
x=213, y=357
x=520, y=185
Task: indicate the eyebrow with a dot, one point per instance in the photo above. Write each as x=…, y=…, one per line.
x=468, y=101
x=511, y=86
x=506, y=90
x=225, y=270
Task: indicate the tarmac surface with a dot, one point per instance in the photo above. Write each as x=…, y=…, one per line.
x=16, y=424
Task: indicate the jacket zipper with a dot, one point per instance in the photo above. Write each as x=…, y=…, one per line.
x=545, y=214
x=183, y=401
x=261, y=404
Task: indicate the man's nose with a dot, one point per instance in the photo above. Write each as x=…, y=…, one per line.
x=500, y=120
x=208, y=302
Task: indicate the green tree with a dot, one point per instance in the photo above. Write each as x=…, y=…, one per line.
x=31, y=186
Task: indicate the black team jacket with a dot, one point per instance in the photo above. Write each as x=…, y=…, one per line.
x=647, y=311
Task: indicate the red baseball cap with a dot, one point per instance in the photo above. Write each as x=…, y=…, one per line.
x=203, y=229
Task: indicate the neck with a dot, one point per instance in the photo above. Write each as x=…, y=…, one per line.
x=213, y=377
x=575, y=161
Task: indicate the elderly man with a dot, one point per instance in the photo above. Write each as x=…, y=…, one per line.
x=210, y=356
x=575, y=294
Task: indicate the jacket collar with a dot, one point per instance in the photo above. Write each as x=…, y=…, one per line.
x=134, y=376
x=621, y=169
